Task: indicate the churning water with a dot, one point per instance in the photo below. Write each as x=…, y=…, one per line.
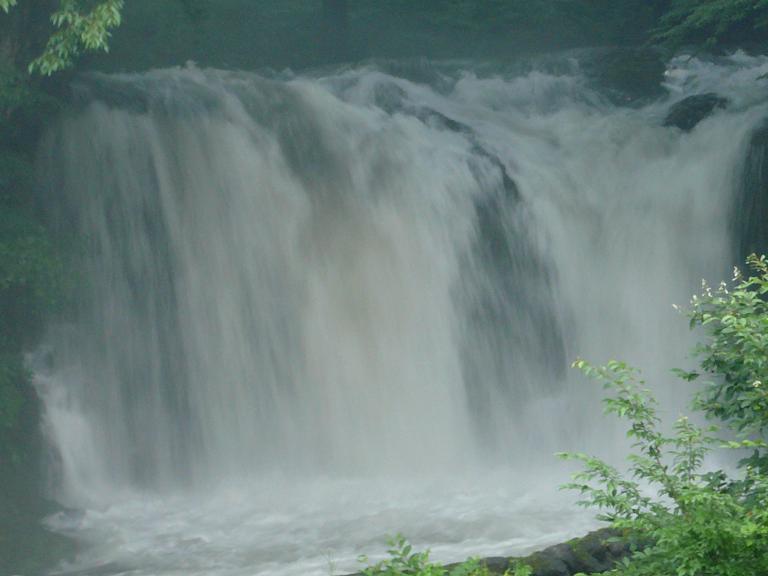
x=327, y=308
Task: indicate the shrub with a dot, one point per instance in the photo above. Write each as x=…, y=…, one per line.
x=692, y=522
x=735, y=353
x=403, y=561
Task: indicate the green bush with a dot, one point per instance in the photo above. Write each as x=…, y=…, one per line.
x=693, y=522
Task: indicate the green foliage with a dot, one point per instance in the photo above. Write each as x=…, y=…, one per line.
x=79, y=26
x=77, y=30
x=736, y=351
x=250, y=33
x=403, y=561
x=710, y=22
x=6, y=5
x=694, y=522
x=520, y=569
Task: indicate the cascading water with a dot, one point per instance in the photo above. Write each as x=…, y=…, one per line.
x=323, y=309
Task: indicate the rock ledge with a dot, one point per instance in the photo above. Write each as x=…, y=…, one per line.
x=596, y=552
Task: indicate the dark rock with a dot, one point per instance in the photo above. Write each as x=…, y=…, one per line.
x=438, y=120
x=687, y=113
x=751, y=205
x=497, y=564
x=555, y=561
x=595, y=553
x=103, y=570
x=389, y=97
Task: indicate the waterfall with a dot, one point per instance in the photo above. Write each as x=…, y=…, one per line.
x=353, y=276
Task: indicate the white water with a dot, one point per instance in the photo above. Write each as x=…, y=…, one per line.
x=319, y=312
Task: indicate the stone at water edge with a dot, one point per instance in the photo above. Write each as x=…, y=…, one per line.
x=594, y=553
x=689, y=112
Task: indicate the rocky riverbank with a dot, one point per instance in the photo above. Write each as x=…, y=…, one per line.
x=594, y=553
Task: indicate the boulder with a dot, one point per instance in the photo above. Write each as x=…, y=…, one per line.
x=687, y=113
x=750, y=209
x=597, y=552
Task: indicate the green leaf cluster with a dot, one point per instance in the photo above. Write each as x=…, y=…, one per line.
x=6, y=5
x=77, y=30
x=735, y=352
x=710, y=22
x=79, y=25
x=404, y=561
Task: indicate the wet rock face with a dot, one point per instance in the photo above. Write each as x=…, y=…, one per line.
x=750, y=219
x=595, y=553
x=687, y=113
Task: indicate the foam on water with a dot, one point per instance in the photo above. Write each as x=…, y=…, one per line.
x=279, y=526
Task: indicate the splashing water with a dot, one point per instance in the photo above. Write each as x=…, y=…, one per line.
x=327, y=308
